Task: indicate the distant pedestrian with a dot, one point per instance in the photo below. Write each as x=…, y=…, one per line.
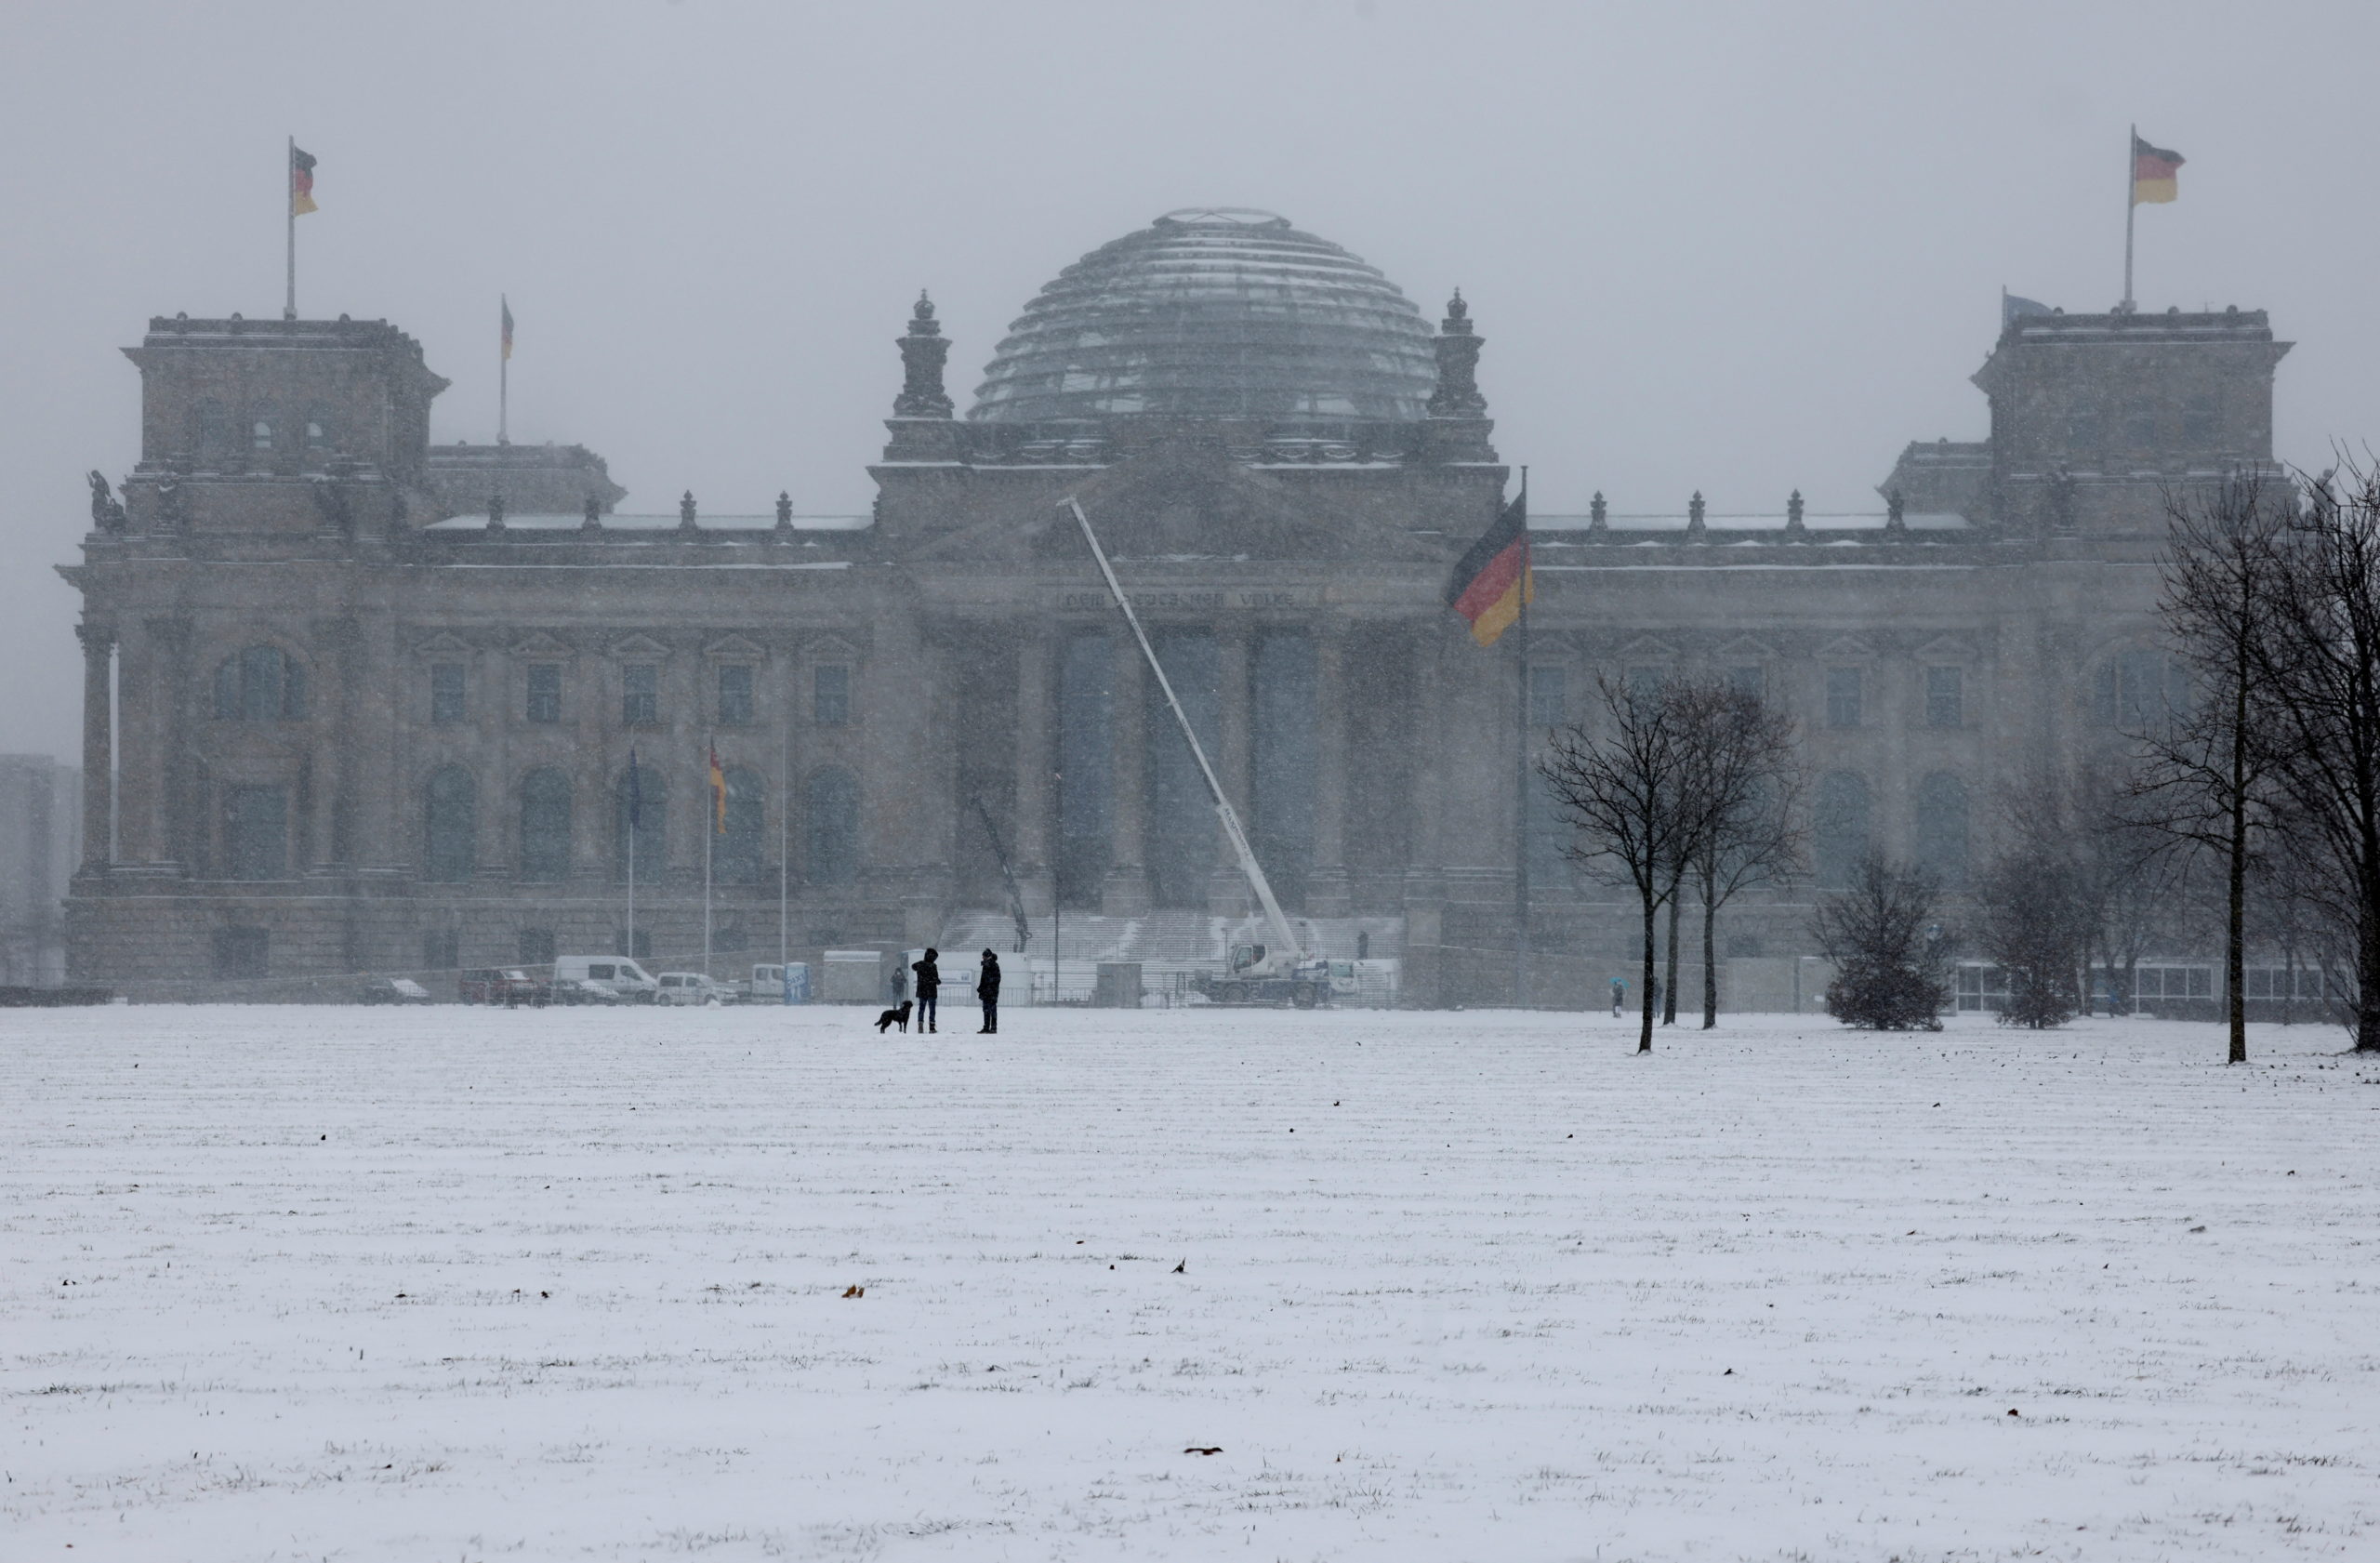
x=1619, y=997
x=897, y=987
x=987, y=989
x=926, y=983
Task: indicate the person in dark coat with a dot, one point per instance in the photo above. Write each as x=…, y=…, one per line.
x=987, y=989
x=926, y=982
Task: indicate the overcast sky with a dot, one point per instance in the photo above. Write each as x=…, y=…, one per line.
x=1738, y=248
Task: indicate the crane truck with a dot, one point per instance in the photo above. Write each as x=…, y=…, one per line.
x=1282, y=972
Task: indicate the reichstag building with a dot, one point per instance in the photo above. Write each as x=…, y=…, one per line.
x=356, y=703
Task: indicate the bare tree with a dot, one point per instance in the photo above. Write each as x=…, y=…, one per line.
x=2232, y=559
x=1625, y=794
x=1745, y=785
x=1889, y=952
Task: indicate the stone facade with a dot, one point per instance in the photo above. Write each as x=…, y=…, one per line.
x=362, y=733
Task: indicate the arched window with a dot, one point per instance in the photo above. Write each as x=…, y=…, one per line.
x=260, y=683
x=261, y=429
x=1942, y=828
x=318, y=431
x=640, y=805
x=451, y=825
x=545, y=824
x=736, y=855
x=1839, y=831
x=832, y=836
x=2140, y=691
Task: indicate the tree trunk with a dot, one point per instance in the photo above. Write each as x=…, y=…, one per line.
x=1710, y=960
x=1668, y=982
x=2235, y=940
x=2367, y=947
x=1645, y=995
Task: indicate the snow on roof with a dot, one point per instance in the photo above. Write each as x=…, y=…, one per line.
x=651, y=524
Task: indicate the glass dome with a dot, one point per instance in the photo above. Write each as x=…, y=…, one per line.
x=1215, y=313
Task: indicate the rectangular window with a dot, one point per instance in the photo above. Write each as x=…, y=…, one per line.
x=441, y=949
x=544, y=692
x=1945, y=696
x=1843, y=697
x=1645, y=683
x=256, y=832
x=446, y=692
x=242, y=952
x=640, y=694
x=1752, y=680
x=735, y=696
x=831, y=695
x=1549, y=697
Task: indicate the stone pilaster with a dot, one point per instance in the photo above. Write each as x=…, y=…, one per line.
x=1228, y=892
x=1126, y=890
x=98, y=747
x=1035, y=764
x=1327, y=892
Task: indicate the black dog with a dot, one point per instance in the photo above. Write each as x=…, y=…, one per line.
x=898, y=1015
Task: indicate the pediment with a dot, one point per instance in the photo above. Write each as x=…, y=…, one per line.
x=639, y=646
x=1945, y=648
x=830, y=648
x=445, y=643
x=1644, y=648
x=1846, y=648
x=734, y=648
x=1193, y=502
x=542, y=644
x=1743, y=648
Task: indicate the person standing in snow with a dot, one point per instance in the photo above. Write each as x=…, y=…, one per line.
x=987, y=989
x=926, y=982
x=1619, y=997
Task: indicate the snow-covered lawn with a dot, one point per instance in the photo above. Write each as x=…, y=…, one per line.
x=291, y=1283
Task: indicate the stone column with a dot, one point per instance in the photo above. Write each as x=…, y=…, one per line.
x=1327, y=892
x=1035, y=859
x=1424, y=875
x=99, y=747
x=142, y=686
x=1126, y=892
x=1228, y=892
x=383, y=841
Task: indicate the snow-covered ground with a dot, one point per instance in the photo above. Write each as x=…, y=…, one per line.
x=290, y=1283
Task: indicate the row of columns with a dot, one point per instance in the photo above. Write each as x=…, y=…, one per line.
x=1126, y=890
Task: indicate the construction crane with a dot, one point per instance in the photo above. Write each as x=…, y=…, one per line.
x=1285, y=972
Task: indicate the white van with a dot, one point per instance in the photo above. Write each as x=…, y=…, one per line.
x=690, y=987
x=618, y=973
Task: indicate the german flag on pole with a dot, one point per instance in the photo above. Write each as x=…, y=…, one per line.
x=505, y=305
x=2153, y=170
x=1492, y=581
x=718, y=794
x=303, y=181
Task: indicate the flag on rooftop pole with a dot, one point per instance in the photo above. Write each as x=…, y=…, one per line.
x=301, y=201
x=2154, y=173
x=505, y=305
x=504, y=373
x=301, y=181
x=1492, y=580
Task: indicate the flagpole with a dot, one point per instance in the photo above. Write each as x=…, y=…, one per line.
x=785, y=817
x=289, y=205
x=635, y=808
x=504, y=384
x=711, y=841
x=1520, y=863
x=2130, y=207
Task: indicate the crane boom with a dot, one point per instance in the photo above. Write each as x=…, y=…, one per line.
x=1223, y=811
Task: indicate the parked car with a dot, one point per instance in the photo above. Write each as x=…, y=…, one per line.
x=392, y=990
x=508, y=986
x=690, y=987
x=616, y=972
x=578, y=990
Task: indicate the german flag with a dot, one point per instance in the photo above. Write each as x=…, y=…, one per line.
x=301, y=181
x=718, y=794
x=2152, y=173
x=1492, y=581
x=505, y=305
